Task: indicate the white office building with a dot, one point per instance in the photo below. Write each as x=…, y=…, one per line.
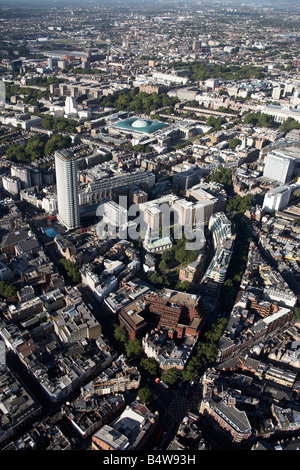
x=70, y=106
x=279, y=166
x=115, y=214
x=67, y=189
x=277, y=199
x=281, y=113
x=11, y=184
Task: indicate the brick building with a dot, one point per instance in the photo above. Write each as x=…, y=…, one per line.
x=179, y=312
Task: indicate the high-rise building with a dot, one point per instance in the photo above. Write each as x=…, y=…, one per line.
x=196, y=44
x=223, y=241
x=70, y=106
x=277, y=199
x=67, y=189
x=279, y=166
x=2, y=92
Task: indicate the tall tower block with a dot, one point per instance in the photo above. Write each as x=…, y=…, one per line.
x=67, y=189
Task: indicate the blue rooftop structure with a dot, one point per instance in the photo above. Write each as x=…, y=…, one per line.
x=145, y=126
x=51, y=232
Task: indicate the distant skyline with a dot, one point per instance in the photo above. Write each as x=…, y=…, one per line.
x=150, y=5
x=145, y=2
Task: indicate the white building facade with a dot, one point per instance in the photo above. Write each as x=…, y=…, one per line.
x=67, y=189
x=277, y=199
x=279, y=166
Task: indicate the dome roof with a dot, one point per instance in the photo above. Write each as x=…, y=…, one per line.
x=141, y=123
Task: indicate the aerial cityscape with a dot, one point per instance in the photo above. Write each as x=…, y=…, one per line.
x=150, y=227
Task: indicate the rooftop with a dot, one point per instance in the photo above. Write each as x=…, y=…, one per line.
x=146, y=126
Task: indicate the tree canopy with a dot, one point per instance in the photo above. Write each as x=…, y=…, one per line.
x=149, y=365
x=59, y=124
x=133, y=348
x=71, y=270
x=237, y=264
x=239, y=203
x=138, y=102
x=144, y=394
x=259, y=119
x=289, y=124
x=120, y=334
x=200, y=71
x=30, y=95
x=234, y=142
x=7, y=290
x=224, y=177
x=37, y=147
x=215, y=122
x=206, y=350
x=169, y=376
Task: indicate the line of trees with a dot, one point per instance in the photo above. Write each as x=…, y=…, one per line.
x=289, y=124
x=59, y=124
x=199, y=71
x=205, y=353
x=31, y=95
x=259, y=119
x=134, y=101
x=37, y=147
x=239, y=204
x=237, y=264
x=45, y=81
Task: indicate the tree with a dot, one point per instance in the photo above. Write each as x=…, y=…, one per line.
x=57, y=142
x=7, y=290
x=169, y=376
x=168, y=260
x=133, y=348
x=206, y=350
x=138, y=102
x=181, y=254
x=259, y=119
x=144, y=394
x=240, y=204
x=233, y=143
x=35, y=147
x=183, y=286
x=297, y=313
x=289, y=124
x=224, y=177
x=156, y=279
x=59, y=124
x=214, y=122
x=190, y=371
x=149, y=365
x=47, y=122
x=16, y=153
x=72, y=271
x=237, y=264
x=120, y=333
